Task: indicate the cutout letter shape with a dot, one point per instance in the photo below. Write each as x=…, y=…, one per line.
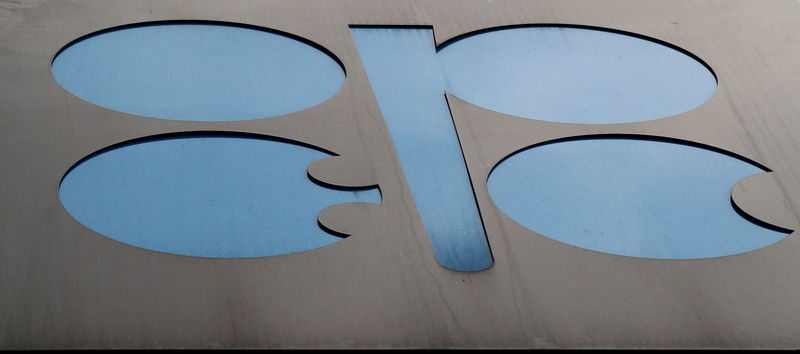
x=561, y=74
x=630, y=197
x=198, y=71
x=205, y=195
x=224, y=196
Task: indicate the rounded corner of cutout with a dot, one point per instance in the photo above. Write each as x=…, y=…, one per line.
x=759, y=199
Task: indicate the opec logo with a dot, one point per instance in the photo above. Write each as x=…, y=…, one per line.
x=237, y=195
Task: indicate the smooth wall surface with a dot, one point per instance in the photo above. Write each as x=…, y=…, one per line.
x=65, y=286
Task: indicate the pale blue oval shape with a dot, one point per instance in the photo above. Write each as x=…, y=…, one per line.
x=574, y=75
x=206, y=196
x=630, y=197
x=198, y=71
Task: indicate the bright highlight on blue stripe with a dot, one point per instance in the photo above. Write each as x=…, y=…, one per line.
x=409, y=85
x=207, y=196
x=630, y=197
x=197, y=71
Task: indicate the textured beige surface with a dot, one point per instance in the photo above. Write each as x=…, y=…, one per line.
x=64, y=286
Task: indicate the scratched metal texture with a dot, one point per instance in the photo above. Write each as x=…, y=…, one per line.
x=65, y=286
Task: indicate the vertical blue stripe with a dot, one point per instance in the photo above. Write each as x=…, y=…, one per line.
x=409, y=84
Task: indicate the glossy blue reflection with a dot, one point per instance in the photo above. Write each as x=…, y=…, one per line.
x=208, y=196
x=574, y=75
x=630, y=197
x=409, y=86
x=197, y=71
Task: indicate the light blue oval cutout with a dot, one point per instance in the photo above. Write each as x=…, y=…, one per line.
x=207, y=196
x=197, y=71
x=631, y=197
x=574, y=75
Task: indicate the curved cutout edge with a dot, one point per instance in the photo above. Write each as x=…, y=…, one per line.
x=338, y=219
x=759, y=199
x=446, y=42
x=340, y=172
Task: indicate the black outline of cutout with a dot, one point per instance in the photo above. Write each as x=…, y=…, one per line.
x=220, y=134
x=458, y=138
x=305, y=41
x=583, y=27
x=645, y=137
x=204, y=22
x=472, y=185
x=757, y=221
x=438, y=48
x=459, y=37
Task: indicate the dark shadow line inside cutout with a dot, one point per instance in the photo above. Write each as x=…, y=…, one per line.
x=210, y=134
x=189, y=134
x=205, y=22
x=643, y=137
x=576, y=26
x=738, y=210
x=758, y=222
x=332, y=231
x=343, y=188
x=552, y=25
x=448, y=210
x=469, y=177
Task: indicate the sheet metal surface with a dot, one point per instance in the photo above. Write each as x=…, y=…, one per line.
x=65, y=286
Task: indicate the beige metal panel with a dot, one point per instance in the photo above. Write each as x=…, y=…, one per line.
x=64, y=285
